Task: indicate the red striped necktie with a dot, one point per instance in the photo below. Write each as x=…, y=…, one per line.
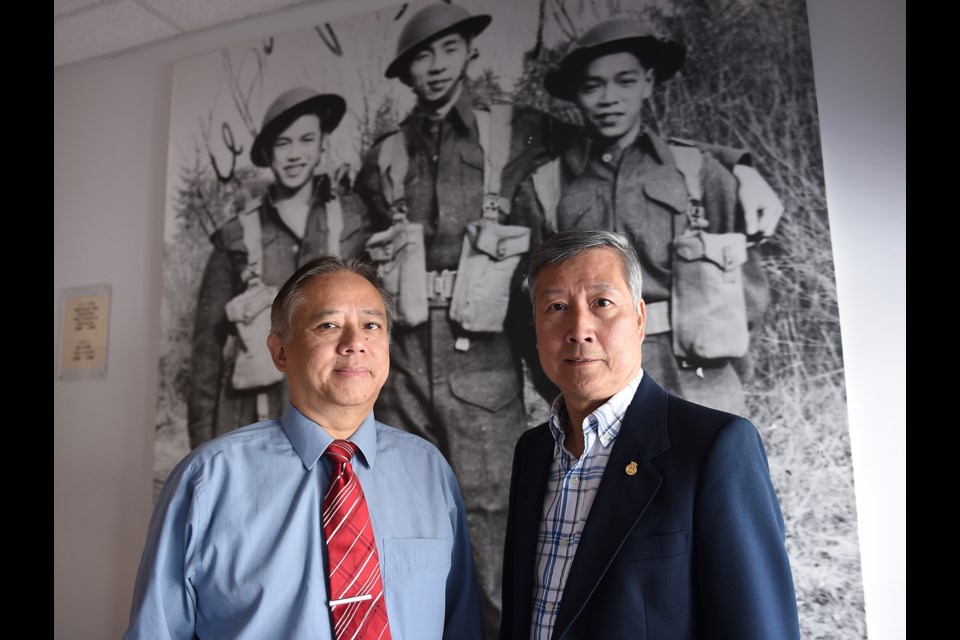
x=356, y=590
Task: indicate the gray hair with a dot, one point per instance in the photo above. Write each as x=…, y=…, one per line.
x=291, y=295
x=564, y=245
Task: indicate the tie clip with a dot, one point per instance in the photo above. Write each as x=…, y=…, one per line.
x=334, y=603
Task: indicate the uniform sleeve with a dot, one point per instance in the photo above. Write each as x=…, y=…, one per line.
x=368, y=186
x=742, y=572
x=526, y=211
x=463, y=601
x=210, y=331
x=356, y=226
x=727, y=156
x=164, y=598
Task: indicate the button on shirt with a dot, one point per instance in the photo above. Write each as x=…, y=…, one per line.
x=235, y=548
x=571, y=487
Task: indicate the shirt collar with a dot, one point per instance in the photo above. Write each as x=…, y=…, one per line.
x=309, y=440
x=460, y=114
x=321, y=192
x=584, y=147
x=606, y=419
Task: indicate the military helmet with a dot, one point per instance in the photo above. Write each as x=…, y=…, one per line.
x=289, y=106
x=664, y=55
x=427, y=24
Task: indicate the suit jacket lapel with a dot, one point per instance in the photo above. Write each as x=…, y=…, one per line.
x=621, y=498
x=532, y=487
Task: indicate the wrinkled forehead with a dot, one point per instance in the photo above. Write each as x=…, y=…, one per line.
x=341, y=290
x=595, y=268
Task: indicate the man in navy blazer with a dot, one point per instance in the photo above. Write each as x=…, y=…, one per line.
x=633, y=513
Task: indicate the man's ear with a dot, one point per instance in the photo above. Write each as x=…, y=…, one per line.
x=278, y=351
x=651, y=77
x=642, y=318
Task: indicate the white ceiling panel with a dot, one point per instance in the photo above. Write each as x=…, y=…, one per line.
x=66, y=6
x=197, y=15
x=105, y=28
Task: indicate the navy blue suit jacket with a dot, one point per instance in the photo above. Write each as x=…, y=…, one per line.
x=689, y=546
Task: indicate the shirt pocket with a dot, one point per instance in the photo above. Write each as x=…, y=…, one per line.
x=652, y=547
x=415, y=577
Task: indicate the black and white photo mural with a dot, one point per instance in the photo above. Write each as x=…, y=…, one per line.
x=444, y=142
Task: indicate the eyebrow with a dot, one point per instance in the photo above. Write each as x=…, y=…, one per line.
x=597, y=288
x=326, y=313
x=451, y=38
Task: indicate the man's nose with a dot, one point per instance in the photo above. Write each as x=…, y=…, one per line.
x=609, y=94
x=438, y=64
x=581, y=327
x=351, y=340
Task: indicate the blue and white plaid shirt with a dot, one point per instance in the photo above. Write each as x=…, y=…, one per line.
x=571, y=486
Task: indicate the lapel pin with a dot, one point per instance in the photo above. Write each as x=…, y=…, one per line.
x=631, y=468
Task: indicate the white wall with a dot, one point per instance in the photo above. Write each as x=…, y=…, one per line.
x=110, y=133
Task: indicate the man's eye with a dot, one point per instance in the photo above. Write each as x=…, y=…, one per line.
x=373, y=325
x=327, y=325
x=557, y=306
x=603, y=302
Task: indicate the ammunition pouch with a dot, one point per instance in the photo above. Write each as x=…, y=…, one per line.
x=400, y=257
x=488, y=258
x=708, y=306
x=250, y=313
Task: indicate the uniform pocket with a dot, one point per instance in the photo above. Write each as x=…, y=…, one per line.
x=670, y=193
x=490, y=390
x=580, y=208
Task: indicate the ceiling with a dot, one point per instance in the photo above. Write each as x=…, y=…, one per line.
x=84, y=29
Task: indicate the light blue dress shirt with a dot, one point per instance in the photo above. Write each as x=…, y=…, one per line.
x=235, y=547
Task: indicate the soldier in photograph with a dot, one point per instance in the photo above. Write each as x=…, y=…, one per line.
x=299, y=217
x=440, y=186
x=689, y=209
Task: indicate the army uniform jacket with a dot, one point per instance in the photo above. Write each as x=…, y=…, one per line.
x=640, y=191
x=444, y=182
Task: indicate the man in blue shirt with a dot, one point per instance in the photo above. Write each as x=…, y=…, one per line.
x=236, y=546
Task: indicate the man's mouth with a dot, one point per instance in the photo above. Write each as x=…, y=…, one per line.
x=607, y=118
x=352, y=372
x=293, y=169
x=438, y=85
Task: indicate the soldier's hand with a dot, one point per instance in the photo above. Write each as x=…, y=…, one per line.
x=761, y=207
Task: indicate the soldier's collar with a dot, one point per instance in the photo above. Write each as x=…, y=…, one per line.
x=460, y=114
x=322, y=192
x=580, y=152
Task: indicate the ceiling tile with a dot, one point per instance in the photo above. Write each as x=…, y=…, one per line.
x=64, y=6
x=197, y=15
x=105, y=29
